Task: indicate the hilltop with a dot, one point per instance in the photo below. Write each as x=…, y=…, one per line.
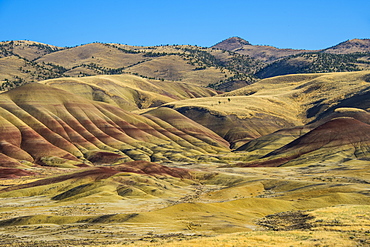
x=350, y=46
x=24, y=62
x=129, y=92
x=270, y=54
x=226, y=66
x=351, y=55
x=263, y=53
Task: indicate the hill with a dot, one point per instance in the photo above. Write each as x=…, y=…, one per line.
x=49, y=126
x=22, y=62
x=78, y=169
x=129, y=92
x=226, y=66
x=351, y=55
x=273, y=111
x=317, y=62
x=350, y=46
x=277, y=103
x=264, y=53
x=232, y=43
x=269, y=54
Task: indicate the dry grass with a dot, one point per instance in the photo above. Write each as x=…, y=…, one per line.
x=128, y=91
x=224, y=206
x=175, y=63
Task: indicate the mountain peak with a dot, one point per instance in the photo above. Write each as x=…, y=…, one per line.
x=231, y=43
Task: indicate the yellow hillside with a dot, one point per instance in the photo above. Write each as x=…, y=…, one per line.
x=276, y=103
x=129, y=92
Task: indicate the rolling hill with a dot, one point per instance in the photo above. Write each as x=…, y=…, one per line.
x=264, y=53
x=292, y=102
x=226, y=66
x=316, y=62
x=129, y=92
x=350, y=55
x=124, y=145
x=79, y=121
x=25, y=61
x=350, y=46
x=49, y=126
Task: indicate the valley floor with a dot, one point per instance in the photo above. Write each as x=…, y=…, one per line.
x=321, y=205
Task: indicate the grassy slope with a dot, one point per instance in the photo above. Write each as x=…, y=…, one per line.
x=128, y=91
x=275, y=103
x=191, y=64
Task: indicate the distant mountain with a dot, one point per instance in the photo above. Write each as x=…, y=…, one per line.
x=263, y=53
x=339, y=58
x=231, y=44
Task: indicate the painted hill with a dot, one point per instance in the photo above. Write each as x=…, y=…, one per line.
x=49, y=126
x=333, y=138
x=278, y=103
x=329, y=106
x=129, y=92
x=76, y=171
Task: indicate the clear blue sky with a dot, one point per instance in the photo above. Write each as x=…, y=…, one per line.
x=312, y=24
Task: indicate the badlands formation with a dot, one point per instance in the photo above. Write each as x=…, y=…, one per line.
x=126, y=160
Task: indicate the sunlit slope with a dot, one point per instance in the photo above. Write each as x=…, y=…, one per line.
x=128, y=91
x=85, y=58
x=333, y=108
x=315, y=94
x=191, y=64
x=29, y=50
x=277, y=103
x=49, y=126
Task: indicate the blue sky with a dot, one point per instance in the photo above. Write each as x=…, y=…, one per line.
x=313, y=24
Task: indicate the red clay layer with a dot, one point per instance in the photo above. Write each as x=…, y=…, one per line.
x=39, y=121
x=334, y=133
x=97, y=173
x=7, y=173
x=150, y=168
